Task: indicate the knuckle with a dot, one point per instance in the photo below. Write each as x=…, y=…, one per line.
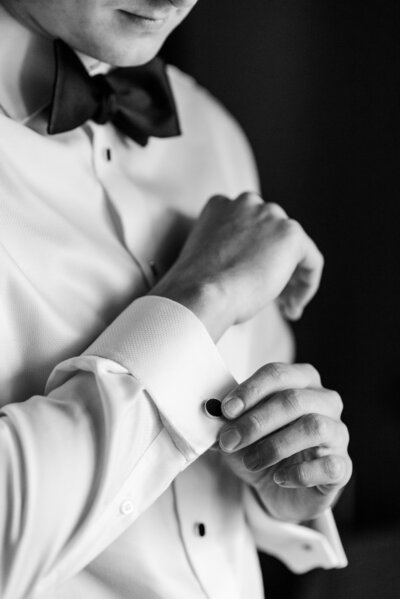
x=311, y=372
x=292, y=227
x=274, y=449
x=333, y=467
x=217, y=200
x=271, y=206
x=320, y=451
x=316, y=426
x=303, y=475
x=336, y=401
x=276, y=371
x=254, y=423
x=292, y=400
x=250, y=197
x=272, y=209
x=247, y=391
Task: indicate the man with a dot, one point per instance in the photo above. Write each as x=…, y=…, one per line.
x=120, y=476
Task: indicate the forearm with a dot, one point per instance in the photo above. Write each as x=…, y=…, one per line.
x=119, y=423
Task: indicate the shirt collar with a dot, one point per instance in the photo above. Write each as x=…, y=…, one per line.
x=27, y=69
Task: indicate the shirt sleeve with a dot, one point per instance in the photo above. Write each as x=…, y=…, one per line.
x=116, y=426
x=300, y=547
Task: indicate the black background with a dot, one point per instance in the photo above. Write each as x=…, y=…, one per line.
x=315, y=85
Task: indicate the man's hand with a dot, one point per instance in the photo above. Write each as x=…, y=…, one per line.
x=240, y=256
x=285, y=438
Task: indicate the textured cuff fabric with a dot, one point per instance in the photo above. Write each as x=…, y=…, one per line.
x=167, y=348
x=301, y=548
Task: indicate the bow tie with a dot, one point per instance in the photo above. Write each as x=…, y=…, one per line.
x=137, y=100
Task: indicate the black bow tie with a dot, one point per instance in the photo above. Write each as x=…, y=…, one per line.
x=137, y=100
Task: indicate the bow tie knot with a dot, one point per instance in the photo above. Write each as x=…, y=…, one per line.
x=107, y=100
x=137, y=100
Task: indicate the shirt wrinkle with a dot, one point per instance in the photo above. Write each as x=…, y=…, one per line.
x=117, y=509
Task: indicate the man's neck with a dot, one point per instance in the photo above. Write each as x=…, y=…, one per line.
x=27, y=68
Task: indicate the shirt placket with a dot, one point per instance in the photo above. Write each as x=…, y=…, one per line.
x=200, y=533
x=111, y=177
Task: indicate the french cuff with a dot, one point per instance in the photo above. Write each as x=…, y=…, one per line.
x=301, y=548
x=168, y=349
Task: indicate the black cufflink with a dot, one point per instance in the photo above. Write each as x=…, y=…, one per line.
x=212, y=408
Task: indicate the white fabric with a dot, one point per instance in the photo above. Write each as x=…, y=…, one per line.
x=104, y=472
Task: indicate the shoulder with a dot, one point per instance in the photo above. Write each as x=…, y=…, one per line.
x=195, y=101
x=204, y=119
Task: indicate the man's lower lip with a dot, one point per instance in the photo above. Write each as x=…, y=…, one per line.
x=144, y=23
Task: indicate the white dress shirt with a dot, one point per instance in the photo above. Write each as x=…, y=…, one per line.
x=107, y=487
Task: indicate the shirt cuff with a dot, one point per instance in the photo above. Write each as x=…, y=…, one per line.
x=168, y=349
x=301, y=548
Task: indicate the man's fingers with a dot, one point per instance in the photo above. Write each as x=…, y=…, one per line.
x=305, y=281
x=327, y=474
x=280, y=410
x=270, y=208
x=320, y=433
x=310, y=431
x=275, y=210
x=269, y=379
x=250, y=198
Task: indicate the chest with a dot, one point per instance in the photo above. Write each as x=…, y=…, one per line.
x=88, y=222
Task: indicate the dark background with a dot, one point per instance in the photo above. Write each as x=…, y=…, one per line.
x=315, y=85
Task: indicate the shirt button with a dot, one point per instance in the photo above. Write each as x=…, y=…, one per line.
x=126, y=508
x=306, y=547
x=107, y=154
x=200, y=529
x=212, y=408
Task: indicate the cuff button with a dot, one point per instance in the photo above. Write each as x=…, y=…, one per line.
x=126, y=508
x=212, y=408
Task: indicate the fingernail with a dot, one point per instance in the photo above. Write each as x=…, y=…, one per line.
x=279, y=478
x=232, y=407
x=229, y=439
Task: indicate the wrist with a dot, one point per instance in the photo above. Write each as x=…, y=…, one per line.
x=206, y=300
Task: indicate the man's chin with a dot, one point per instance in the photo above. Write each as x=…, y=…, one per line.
x=131, y=54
